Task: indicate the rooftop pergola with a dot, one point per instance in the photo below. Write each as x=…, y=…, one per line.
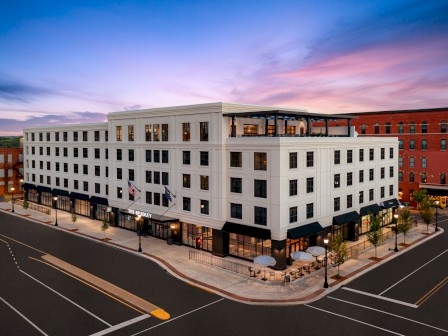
x=289, y=115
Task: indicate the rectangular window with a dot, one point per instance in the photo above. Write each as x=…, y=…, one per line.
x=293, y=214
x=106, y=138
x=371, y=174
x=411, y=161
x=97, y=188
x=424, y=144
x=97, y=135
x=236, y=210
x=391, y=189
x=186, y=132
x=148, y=197
x=119, y=192
x=148, y=153
x=310, y=184
x=130, y=132
x=186, y=181
x=310, y=159
x=391, y=153
x=119, y=154
x=57, y=151
x=260, y=161
x=65, y=151
x=204, y=207
x=106, y=153
x=349, y=156
x=349, y=179
x=400, y=144
x=130, y=155
x=236, y=185
x=85, y=136
x=361, y=155
x=371, y=154
x=48, y=179
x=411, y=144
x=165, y=156
x=361, y=197
x=260, y=188
x=156, y=135
x=148, y=176
x=203, y=131
x=400, y=161
x=187, y=204
x=107, y=171
x=119, y=173
x=391, y=171
x=65, y=183
x=58, y=181
x=85, y=153
x=186, y=157
x=148, y=134
x=293, y=160
x=423, y=177
x=250, y=129
x=48, y=136
x=156, y=198
x=65, y=136
x=292, y=187
x=165, y=178
x=349, y=201
x=443, y=144
x=382, y=192
x=56, y=136
x=157, y=156
x=41, y=137
x=204, y=182
x=48, y=151
x=371, y=194
x=165, y=133
x=383, y=172
x=65, y=167
x=97, y=153
x=48, y=165
x=236, y=159
x=337, y=157
x=156, y=177
x=76, y=184
x=337, y=180
x=260, y=215
x=204, y=158
x=309, y=210
x=423, y=162
x=119, y=133
x=337, y=204
x=97, y=170
x=57, y=165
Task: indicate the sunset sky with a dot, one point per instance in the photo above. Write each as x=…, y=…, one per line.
x=74, y=61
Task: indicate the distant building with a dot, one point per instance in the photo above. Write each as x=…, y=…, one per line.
x=231, y=179
x=11, y=170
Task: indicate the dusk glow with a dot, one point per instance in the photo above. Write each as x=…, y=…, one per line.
x=74, y=61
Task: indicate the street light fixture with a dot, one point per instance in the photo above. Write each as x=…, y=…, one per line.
x=139, y=232
x=55, y=199
x=326, y=281
x=12, y=198
x=396, y=232
x=437, y=207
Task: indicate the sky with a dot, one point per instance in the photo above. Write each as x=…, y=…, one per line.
x=64, y=62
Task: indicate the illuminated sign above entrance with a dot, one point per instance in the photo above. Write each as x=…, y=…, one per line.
x=139, y=213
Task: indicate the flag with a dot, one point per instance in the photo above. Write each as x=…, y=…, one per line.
x=168, y=194
x=131, y=188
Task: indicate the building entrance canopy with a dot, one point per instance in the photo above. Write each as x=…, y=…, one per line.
x=304, y=230
x=346, y=218
x=390, y=203
x=370, y=209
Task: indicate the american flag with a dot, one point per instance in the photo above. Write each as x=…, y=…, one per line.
x=131, y=188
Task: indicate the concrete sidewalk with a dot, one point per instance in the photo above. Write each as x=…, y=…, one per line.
x=175, y=260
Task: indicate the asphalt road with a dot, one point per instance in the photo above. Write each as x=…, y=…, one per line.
x=36, y=299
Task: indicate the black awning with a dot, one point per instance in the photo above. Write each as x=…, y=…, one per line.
x=346, y=218
x=99, y=200
x=390, y=203
x=28, y=186
x=370, y=209
x=59, y=192
x=304, y=230
x=78, y=196
x=43, y=189
x=246, y=230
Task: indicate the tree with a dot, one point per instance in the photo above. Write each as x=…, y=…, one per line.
x=104, y=225
x=426, y=212
x=375, y=234
x=74, y=217
x=404, y=224
x=340, y=251
x=419, y=196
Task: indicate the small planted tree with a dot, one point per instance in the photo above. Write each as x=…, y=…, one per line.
x=426, y=212
x=404, y=224
x=419, y=196
x=340, y=251
x=375, y=234
x=104, y=225
x=25, y=204
x=74, y=217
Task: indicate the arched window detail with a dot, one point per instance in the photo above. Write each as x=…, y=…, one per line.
x=443, y=126
x=388, y=128
x=363, y=129
x=400, y=127
x=424, y=127
x=377, y=128
x=412, y=127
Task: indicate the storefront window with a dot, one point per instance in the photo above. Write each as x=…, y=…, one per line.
x=46, y=199
x=248, y=247
x=82, y=207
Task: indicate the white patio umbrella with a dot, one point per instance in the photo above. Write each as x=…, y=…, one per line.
x=301, y=256
x=265, y=260
x=315, y=250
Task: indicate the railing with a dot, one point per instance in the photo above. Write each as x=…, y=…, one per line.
x=41, y=208
x=209, y=259
x=353, y=251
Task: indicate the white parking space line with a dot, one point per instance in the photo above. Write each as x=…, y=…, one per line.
x=24, y=317
x=387, y=313
x=66, y=298
x=175, y=318
x=407, y=276
x=352, y=319
x=121, y=325
x=381, y=297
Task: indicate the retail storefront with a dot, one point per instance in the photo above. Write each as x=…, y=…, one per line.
x=81, y=204
x=63, y=202
x=100, y=208
x=347, y=225
x=388, y=210
x=365, y=213
x=196, y=236
x=302, y=237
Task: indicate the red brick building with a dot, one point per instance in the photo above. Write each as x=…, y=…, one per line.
x=11, y=170
x=423, y=156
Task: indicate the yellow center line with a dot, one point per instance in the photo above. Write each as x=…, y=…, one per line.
x=432, y=291
x=90, y=285
x=19, y=242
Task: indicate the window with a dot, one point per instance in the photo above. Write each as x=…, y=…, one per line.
x=383, y=172
x=391, y=189
x=349, y=179
x=204, y=207
x=204, y=182
x=260, y=188
x=349, y=156
x=165, y=156
x=156, y=198
x=349, y=201
x=383, y=153
x=97, y=153
x=371, y=174
x=148, y=135
x=293, y=214
x=293, y=160
x=186, y=132
x=57, y=181
x=157, y=156
x=361, y=155
x=75, y=136
x=119, y=154
x=400, y=144
x=337, y=157
x=377, y=128
x=85, y=186
x=65, y=136
x=41, y=166
x=412, y=127
x=48, y=136
x=371, y=154
x=412, y=144
x=310, y=159
x=423, y=177
x=107, y=171
x=400, y=127
x=236, y=210
x=292, y=187
x=65, y=183
x=391, y=171
x=310, y=184
x=382, y=192
x=106, y=138
x=165, y=132
x=400, y=161
x=186, y=157
x=337, y=204
x=130, y=132
x=97, y=171
x=236, y=185
x=371, y=195
x=203, y=134
x=400, y=177
x=75, y=184
x=148, y=155
x=391, y=153
x=156, y=177
x=57, y=165
x=65, y=151
x=204, y=158
x=85, y=153
x=97, y=135
x=363, y=129
x=260, y=215
x=361, y=197
x=442, y=144
x=361, y=176
x=131, y=155
x=411, y=161
x=119, y=173
x=48, y=179
x=251, y=129
x=388, y=128
x=411, y=177
x=56, y=136
x=337, y=180
x=48, y=165
x=424, y=127
x=165, y=178
x=148, y=197
x=443, y=126
x=65, y=167
x=119, y=133
x=148, y=176
x=309, y=210
x=119, y=192
x=423, y=161
x=41, y=151
x=260, y=161
x=236, y=159
x=186, y=178
x=106, y=153
x=442, y=178
x=156, y=135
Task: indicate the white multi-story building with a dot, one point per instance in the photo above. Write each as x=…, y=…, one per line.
x=242, y=180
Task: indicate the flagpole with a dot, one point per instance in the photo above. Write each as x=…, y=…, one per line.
x=166, y=211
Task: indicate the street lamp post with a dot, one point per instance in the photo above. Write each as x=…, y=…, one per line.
x=437, y=207
x=55, y=199
x=139, y=232
x=12, y=198
x=326, y=280
x=396, y=232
